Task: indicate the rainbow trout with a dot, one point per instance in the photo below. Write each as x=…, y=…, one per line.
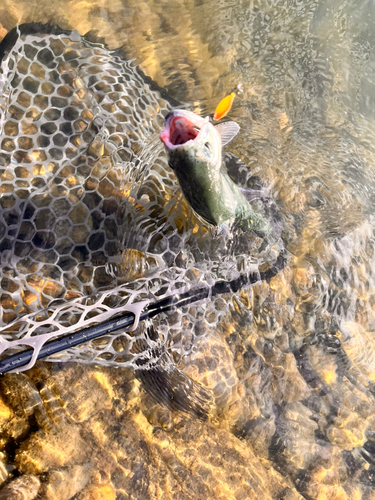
x=194, y=149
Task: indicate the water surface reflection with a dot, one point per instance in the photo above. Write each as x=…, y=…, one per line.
x=297, y=419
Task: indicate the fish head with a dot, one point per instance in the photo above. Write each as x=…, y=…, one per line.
x=192, y=143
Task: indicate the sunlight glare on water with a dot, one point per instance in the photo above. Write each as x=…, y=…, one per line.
x=292, y=365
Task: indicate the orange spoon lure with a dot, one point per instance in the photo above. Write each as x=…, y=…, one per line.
x=224, y=106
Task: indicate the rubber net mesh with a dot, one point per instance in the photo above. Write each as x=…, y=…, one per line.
x=92, y=219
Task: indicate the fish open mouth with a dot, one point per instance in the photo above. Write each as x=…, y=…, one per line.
x=178, y=131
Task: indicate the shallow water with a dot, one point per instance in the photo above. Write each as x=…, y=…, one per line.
x=296, y=410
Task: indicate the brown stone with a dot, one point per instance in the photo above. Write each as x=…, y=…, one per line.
x=25, y=487
x=41, y=453
x=65, y=483
x=98, y=492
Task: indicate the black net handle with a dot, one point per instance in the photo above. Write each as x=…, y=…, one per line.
x=16, y=361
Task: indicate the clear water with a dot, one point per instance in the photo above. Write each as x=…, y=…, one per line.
x=299, y=417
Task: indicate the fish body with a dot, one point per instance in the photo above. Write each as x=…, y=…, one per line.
x=194, y=150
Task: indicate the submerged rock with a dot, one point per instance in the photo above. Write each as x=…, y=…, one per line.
x=25, y=487
x=298, y=420
x=65, y=483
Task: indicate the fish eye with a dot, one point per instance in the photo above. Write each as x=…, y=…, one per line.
x=208, y=146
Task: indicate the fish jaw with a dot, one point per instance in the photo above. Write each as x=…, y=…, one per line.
x=180, y=127
x=192, y=144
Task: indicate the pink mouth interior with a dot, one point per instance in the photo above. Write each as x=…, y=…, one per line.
x=181, y=130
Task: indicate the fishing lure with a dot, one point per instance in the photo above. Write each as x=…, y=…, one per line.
x=224, y=106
